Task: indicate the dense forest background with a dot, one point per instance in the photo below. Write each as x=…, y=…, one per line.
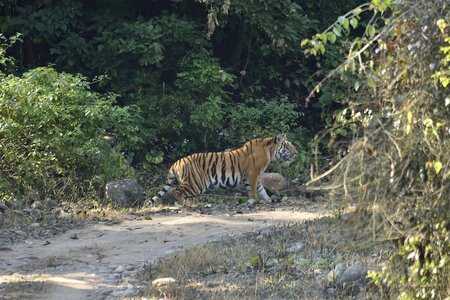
x=159, y=80
x=193, y=75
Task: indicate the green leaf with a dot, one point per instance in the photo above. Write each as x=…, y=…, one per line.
x=287, y=83
x=41, y=27
x=370, y=31
x=345, y=24
x=337, y=29
x=322, y=48
x=354, y=22
x=332, y=38
x=254, y=260
x=342, y=131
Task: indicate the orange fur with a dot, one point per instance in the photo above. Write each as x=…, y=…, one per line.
x=195, y=173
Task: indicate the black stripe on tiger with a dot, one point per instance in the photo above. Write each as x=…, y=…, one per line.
x=192, y=175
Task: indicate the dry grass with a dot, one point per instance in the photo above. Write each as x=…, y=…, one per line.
x=262, y=266
x=21, y=286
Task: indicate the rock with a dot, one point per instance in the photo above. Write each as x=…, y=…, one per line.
x=49, y=203
x=17, y=212
x=273, y=181
x=22, y=233
x=9, y=204
x=125, y=193
x=3, y=206
x=50, y=217
x=64, y=215
x=336, y=272
x=213, y=283
x=113, y=277
x=119, y=269
x=37, y=204
x=355, y=277
x=32, y=226
x=346, y=218
x=130, y=268
x=163, y=281
x=34, y=213
x=296, y=247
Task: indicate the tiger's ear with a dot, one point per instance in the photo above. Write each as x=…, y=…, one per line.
x=280, y=137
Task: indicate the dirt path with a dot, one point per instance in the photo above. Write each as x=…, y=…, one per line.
x=104, y=262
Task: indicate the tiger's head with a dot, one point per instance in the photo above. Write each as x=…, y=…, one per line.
x=285, y=149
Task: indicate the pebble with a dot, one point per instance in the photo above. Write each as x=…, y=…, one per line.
x=113, y=276
x=64, y=215
x=34, y=213
x=110, y=282
x=119, y=269
x=296, y=247
x=50, y=217
x=129, y=268
x=22, y=233
x=163, y=281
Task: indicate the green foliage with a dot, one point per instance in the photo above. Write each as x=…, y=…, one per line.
x=188, y=77
x=153, y=157
x=51, y=127
x=185, y=115
x=8, y=63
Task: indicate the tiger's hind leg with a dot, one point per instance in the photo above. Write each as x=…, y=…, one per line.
x=178, y=194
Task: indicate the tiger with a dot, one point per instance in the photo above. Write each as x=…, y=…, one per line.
x=192, y=175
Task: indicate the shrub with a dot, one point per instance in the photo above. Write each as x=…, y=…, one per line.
x=51, y=134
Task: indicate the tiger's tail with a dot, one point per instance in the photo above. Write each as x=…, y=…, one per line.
x=171, y=179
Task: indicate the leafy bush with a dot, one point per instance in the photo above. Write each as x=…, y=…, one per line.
x=153, y=55
x=51, y=134
x=182, y=118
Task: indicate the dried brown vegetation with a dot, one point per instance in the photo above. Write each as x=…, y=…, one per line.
x=287, y=262
x=398, y=165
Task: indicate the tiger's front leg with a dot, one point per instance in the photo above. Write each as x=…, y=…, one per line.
x=262, y=194
x=259, y=191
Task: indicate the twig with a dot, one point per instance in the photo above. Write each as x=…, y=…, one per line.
x=345, y=180
x=392, y=223
x=332, y=187
x=327, y=172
